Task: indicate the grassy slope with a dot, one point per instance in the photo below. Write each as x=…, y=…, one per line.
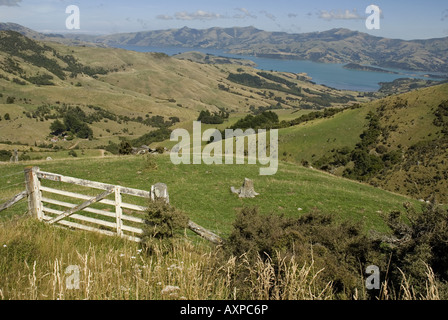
x=312, y=140
x=409, y=118
x=204, y=191
x=139, y=84
x=424, y=175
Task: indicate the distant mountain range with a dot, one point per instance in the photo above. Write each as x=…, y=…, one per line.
x=54, y=37
x=332, y=46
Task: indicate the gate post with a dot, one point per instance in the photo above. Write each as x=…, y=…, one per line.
x=34, y=194
x=118, y=210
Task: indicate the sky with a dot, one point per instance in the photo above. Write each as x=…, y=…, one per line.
x=398, y=19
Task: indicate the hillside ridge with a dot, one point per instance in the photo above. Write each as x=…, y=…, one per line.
x=333, y=46
x=339, y=45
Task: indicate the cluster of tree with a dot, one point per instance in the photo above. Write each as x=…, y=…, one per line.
x=277, y=79
x=223, y=87
x=18, y=81
x=125, y=146
x=5, y=155
x=72, y=120
x=249, y=80
x=266, y=120
x=153, y=136
x=269, y=119
x=42, y=112
x=158, y=121
x=37, y=54
x=41, y=80
x=441, y=119
x=10, y=100
x=366, y=164
x=74, y=123
x=316, y=98
x=207, y=117
x=10, y=66
x=327, y=113
x=154, y=121
x=325, y=99
x=262, y=109
x=74, y=67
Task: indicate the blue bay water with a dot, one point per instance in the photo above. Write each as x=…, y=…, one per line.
x=329, y=74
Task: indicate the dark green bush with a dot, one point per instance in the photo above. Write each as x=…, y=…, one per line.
x=341, y=250
x=125, y=148
x=265, y=120
x=162, y=223
x=419, y=241
x=207, y=117
x=73, y=153
x=5, y=155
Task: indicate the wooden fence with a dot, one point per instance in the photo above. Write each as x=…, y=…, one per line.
x=112, y=216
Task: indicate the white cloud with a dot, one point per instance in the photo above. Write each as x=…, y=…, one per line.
x=292, y=15
x=10, y=3
x=269, y=15
x=244, y=14
x=164, y=17
x=198, y=15
x=340, y=15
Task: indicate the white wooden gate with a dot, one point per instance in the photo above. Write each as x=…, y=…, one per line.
x=113, y=217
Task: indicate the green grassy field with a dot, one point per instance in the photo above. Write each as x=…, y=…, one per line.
x=203, y=191
x=314, y=139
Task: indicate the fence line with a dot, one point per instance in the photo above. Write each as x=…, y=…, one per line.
x=12, y=185
x=12, y=174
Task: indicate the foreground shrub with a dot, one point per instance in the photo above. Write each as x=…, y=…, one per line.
x=162, y=223
x=339, y=250
x=418, y=244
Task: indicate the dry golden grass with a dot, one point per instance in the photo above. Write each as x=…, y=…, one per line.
x=35, y=262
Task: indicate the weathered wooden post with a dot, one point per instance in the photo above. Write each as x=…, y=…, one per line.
x=35, y=207
x=118, y=211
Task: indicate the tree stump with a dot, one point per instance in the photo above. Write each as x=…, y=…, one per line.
x=247, y=189
x=160, y=191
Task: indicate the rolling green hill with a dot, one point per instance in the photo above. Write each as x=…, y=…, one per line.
x=124, y=95
x=131, y=86
x=403, y=145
